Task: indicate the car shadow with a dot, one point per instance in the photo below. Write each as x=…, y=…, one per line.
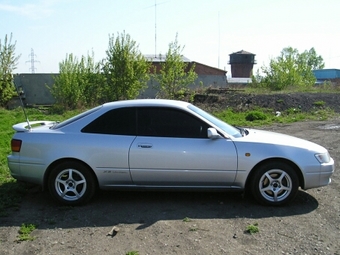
x=110, y=208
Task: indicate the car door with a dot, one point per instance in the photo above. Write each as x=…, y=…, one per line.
x=172, y=149
x=108, y=139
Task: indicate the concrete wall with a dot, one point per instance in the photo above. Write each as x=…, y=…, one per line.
x=211, y=80
x=36, y=87
x=216, y=81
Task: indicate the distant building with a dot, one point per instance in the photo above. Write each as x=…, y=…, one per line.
x=242, y=63
x=322, y=75
x=207, y=75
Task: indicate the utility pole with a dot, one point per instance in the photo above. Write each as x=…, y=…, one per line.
x=32, y=61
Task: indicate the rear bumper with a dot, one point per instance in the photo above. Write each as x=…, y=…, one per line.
x=14, y=166
x=26, y=172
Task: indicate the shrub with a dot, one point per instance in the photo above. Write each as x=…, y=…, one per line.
x=252, y=228
x=291, y=111
x=255, y=115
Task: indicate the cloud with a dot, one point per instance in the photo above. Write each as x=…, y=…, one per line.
x=38, y=10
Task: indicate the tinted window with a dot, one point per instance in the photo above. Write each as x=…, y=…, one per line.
x=75, y=118
x=221, y=124
x=168, y=122
x=120, y=121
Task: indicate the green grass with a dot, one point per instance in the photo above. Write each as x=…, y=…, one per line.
x=132, y=253
x=186, y=219
x=265, y=117
x=25, y=232
x=11, y=192
x=253, y=228
x=9, y=189
x=319, y=103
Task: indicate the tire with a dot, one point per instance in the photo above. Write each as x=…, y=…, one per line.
x=275, y=183
x=71, y=183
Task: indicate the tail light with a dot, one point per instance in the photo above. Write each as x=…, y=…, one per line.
x=16, y=145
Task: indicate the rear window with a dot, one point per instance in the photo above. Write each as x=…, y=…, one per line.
x=75, y=118
x=121, y=121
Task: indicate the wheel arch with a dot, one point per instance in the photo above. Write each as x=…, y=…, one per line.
x=290, y=163
x=62, y=160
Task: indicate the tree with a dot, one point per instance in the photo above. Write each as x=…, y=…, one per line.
x=92, y=81
x=79, y=83
x=8, y=63
x=66, y=90
x=174, y=75
x=290, y=69
x=125, y=69
x=312, y=59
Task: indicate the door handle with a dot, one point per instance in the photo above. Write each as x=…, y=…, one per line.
x=144, y=146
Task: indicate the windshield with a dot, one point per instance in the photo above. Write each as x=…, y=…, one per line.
x=75, y=118
x=235, y=132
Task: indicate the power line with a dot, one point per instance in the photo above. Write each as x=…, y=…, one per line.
x=32, y=61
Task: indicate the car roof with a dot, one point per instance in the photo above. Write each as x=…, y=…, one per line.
x=146, y=102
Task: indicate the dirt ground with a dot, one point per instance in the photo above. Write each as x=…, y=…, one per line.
x=186, y=223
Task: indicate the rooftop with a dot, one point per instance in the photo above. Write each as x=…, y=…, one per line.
x=243, y=52
x=161, y=58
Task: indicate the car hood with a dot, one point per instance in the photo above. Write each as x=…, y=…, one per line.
x=268, y=137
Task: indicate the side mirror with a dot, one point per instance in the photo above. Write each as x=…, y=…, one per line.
x=212, y=133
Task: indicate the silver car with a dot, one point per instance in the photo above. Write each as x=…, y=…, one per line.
x=162, y=144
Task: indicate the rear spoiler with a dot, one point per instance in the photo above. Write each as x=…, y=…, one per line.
x=24, y=126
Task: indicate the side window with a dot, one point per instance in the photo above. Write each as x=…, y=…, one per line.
x=121, y=121
x=168, y=122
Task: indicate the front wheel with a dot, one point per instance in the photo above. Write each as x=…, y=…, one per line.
x=274, y=183
x=71, y=183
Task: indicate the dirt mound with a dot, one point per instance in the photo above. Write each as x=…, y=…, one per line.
x=219, y=99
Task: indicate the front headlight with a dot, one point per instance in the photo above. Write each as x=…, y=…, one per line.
x=323, y=157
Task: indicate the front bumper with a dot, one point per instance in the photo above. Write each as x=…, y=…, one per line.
x=320, y=178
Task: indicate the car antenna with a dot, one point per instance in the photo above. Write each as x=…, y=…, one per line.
x=22, y=104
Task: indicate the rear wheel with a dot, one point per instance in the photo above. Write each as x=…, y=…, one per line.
x=274, y=183
x=71, y=183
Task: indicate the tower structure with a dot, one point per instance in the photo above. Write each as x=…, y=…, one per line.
x=32, y=61
x=242, y=63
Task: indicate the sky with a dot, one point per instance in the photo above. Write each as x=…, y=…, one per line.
x=45, y=31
